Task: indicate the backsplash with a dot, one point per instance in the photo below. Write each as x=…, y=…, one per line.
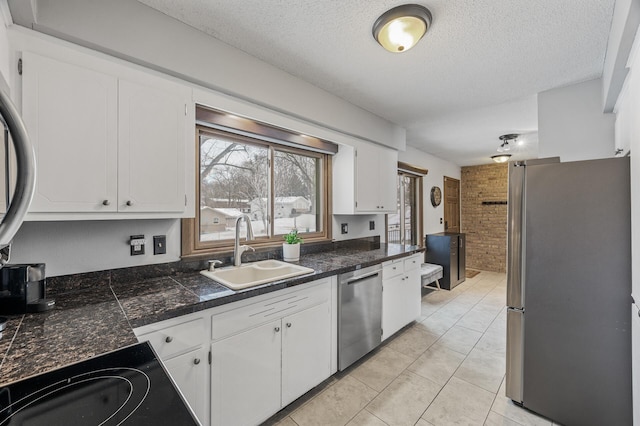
x=84, y=281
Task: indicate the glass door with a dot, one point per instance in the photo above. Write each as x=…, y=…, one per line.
x=403, y=226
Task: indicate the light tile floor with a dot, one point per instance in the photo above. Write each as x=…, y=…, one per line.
x=446, y=369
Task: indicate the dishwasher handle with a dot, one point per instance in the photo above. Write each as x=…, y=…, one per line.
x=361, y=278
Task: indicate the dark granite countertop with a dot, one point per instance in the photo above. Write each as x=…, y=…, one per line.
x=99, y=311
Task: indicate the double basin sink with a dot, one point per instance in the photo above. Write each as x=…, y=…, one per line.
x=256, y=273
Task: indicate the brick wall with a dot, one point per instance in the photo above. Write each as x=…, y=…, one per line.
x=485, y=225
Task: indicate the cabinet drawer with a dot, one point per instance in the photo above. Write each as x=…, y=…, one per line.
x=243, y=318
x=392, y=268
x=176, y=339
x=412, y=263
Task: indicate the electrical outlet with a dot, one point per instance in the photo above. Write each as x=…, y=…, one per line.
x=440, y=221
x=372, y=225
x=159, y=244
x=137, y=242
x=344, y=228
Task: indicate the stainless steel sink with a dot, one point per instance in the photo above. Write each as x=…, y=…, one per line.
x=252, y=274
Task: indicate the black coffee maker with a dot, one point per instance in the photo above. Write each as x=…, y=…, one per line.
x=23, y=289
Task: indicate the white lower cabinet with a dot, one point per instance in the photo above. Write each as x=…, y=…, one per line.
x=189, y=372
x=182, y=345
x=256, y=372
x=400, y=293
x=245, y=376
x=305, y=351
x=238, y=364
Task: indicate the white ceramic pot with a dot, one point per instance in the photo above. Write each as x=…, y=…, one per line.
x=290, y=252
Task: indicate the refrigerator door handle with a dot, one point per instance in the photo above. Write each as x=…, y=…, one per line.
x=515, y=236
x=515, y=354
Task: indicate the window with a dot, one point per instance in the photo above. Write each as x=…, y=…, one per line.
x=405, y=226
x=279, y=187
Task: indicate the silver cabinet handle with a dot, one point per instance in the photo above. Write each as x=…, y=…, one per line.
x=277, y=329
x=106, y=202
x=129, y=203
x=196, y=361
x=289, y=325
x=169, y=339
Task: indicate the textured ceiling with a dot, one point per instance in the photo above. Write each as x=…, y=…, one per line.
x=472, y=78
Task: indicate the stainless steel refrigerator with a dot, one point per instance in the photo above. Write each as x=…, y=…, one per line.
x=568, y=290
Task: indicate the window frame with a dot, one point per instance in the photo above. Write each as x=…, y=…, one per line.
x=418, y=173
x=192, y=246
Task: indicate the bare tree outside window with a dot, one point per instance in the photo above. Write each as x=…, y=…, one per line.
x=296, y=193
x=236, y=178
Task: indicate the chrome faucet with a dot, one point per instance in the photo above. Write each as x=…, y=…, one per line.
x=237, y=248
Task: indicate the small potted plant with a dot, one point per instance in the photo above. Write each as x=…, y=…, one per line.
x=291, y=246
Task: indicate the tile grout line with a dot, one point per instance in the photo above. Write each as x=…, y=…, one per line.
x=466, y=356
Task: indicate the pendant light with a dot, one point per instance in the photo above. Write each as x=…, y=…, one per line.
x=400, y=28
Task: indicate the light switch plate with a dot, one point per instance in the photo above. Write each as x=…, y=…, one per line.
x=159, y=244
x=344, y=228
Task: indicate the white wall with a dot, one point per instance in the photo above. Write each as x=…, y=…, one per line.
x=626, y=18
x=571, y=124
x=74, y=247
x=438, y=169
x=358, y=226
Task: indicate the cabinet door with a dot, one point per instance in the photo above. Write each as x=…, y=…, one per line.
x=376, y=179
x=388, y=180
x=367, y=195
x=71, y=117
x=306, y=351
x=413, y=294
x=245, y=376
x=189, y=372
x=151, y=149
x=393, y=305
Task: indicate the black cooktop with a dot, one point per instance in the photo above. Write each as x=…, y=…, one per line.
x=125, y=387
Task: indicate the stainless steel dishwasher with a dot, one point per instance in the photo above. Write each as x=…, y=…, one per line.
x=359, y=314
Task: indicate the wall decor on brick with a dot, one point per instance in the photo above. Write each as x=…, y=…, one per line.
x=484, y=193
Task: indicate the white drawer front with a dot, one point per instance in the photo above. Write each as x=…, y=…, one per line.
x=236, y=320
x=392, y=268
x=412, y=263
x=176, y=339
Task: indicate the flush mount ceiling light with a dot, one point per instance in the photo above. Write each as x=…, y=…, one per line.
x=400, y=28
x=501, y=158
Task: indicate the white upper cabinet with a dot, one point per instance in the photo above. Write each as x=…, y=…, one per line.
x=364, y=180
x=109, y=145
x=151, y=138
x=71, y=116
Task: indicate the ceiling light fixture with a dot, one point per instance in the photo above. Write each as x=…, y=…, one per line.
x=501, y=158
x=505, y=146
x=400, y=28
